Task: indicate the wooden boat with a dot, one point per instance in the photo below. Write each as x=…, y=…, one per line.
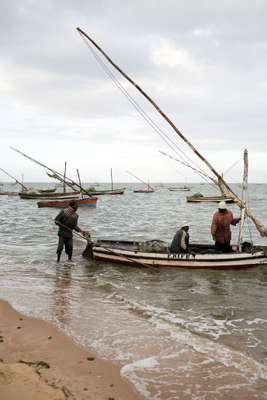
x=35, y=195
x=7, y=193
x=102, y=192
x=203, y=256
x=199, y=198
x=82, y=202
x=179, y=189
x=147, y=189
x=47, y=190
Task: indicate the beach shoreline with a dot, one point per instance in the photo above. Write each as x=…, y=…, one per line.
x=40, y=362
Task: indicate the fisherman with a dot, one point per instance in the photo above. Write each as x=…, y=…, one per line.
x=220, y=227
x=67, y=220
x=180, y=241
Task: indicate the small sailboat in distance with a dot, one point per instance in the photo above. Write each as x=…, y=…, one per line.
x=146, y=189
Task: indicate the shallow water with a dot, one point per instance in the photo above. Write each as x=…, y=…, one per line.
x=176, y=334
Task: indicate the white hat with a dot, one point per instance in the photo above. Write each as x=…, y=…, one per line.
x=222, y=205
x=184, y=224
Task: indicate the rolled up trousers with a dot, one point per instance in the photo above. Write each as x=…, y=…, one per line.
x=67, y=243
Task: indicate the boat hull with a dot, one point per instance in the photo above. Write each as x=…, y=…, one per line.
x=36, y=196
x=208, y=199
x=109, y=192
x=84, y=202
x=128, y=253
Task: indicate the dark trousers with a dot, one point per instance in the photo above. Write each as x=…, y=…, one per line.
x=67, y=243
x=224, y=247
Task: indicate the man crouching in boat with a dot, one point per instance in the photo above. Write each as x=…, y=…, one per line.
x=220, y=228
x=180, y=242
x=67, y=220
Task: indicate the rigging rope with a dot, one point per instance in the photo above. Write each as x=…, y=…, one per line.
x=139, y=109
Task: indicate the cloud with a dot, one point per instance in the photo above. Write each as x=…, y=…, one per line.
x=203, y=65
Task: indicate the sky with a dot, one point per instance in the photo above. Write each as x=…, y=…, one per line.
x=202, y=62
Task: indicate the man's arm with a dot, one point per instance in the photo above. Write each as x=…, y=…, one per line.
x=59, y=217
x=234, y=220
x=213, y=228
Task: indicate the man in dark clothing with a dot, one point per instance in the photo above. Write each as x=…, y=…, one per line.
x=67, y=220
x=180, y=242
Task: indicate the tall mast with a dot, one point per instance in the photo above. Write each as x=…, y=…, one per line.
x=79, y=178
x=244, y=200
x=64, y=183
x=56, y=175
x=111, y=177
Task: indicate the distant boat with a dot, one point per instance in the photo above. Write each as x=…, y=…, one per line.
x=91, y=190
x=179, y=189
x=82, y=202
x=99, y=192
x=35, y=195
x=147, y=189
x=7, y=193
x=199, y=198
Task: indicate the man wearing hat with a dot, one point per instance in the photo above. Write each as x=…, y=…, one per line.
x=220, y=227
x=67, y=220
x=180, y=242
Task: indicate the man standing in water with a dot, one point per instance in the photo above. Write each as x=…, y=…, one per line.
x=220, y=227
x=67, y=220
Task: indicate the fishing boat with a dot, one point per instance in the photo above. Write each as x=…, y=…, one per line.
x=8, y=193
x=99, y=192
x=199, y=198
x=52, y=190
x=93, y=192
x=36, y=195
x=202, y=256
x=146, y=189
x=179, y=189
x=82, y=202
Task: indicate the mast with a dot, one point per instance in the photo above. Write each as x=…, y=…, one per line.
x=221, y=183
x=145, y=183
x=54, y=174
x=79, y=178
x=18, y=182
x=64, y=183
x=244, y=200
x=111, y=176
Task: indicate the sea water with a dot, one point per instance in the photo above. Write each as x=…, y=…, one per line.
x=177, y=334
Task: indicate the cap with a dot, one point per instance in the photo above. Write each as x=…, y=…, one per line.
x=184, y=224
x=222, y=205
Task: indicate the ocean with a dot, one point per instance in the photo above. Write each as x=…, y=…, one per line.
x=178, y=334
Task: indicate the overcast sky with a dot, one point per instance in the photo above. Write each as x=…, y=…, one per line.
x=203, y=62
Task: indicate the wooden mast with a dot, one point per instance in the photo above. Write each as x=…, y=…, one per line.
x=64, y=183
x=79, y=178
x=55, y=174
x=221, y=183
x=244, y=200
x=111, y=177
x=145, y=183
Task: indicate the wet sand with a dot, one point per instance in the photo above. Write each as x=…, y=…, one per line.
x=39, y=362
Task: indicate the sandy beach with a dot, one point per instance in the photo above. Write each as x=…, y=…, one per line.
x=39, y=362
